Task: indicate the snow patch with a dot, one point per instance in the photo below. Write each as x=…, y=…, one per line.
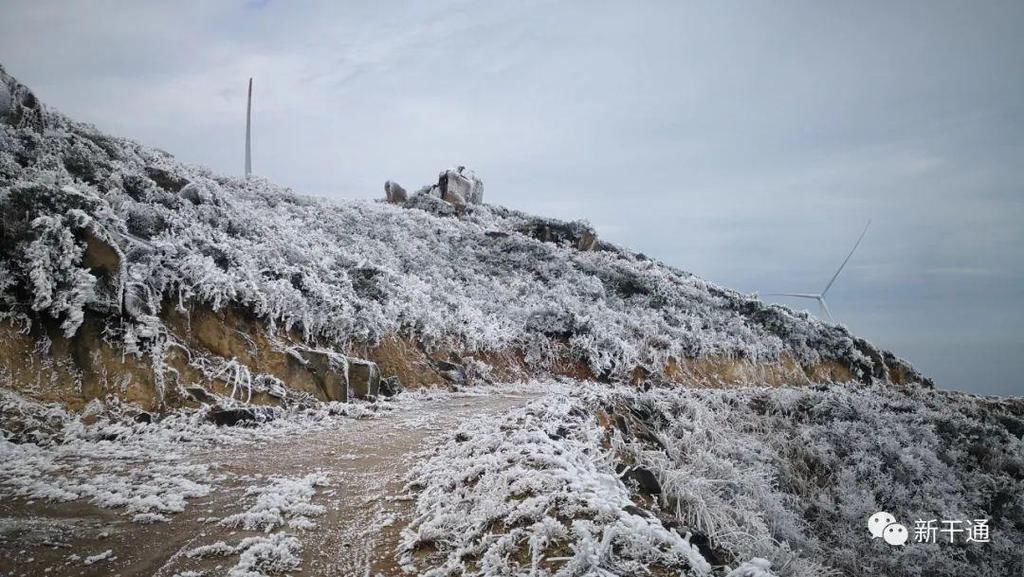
x=107, y=555
x=285, y=500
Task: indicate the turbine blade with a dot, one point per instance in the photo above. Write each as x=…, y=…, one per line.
x=840, y=269
x=824, y=307
x=798, y=295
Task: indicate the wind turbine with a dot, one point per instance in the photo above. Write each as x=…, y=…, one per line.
x=820, y=297
x=248, y=132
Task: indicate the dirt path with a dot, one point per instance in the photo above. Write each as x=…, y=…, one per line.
x=365, y=462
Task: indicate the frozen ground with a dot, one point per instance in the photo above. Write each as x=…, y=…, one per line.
x=228, y=501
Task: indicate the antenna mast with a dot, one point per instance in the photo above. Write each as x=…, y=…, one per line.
x=248, y=132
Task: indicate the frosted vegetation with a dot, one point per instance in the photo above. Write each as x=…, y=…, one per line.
x=151, y=472
x=275, y=554
x=284, y=501
x=351, y=270
x=534, y=494
x=146, y=470
x=766, y=481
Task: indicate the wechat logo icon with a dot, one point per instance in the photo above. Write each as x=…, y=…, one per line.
x=883, y=525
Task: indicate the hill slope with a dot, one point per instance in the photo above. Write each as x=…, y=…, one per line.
x=131, y=284
x=107, y=240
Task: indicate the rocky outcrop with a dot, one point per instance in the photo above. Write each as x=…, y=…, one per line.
x=425, y=201
x=458, y=187
x=642, y=480
x=233, y=334
x=165, y=179
x=207, y=358
x=394, y=193
x=326, y=370
x=576, y=234
x=391, y=386
x=454, y=373
x=363, y=378
x=46, y=365
x=232, y=416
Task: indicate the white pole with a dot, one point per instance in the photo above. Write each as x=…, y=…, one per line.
x=248, y=133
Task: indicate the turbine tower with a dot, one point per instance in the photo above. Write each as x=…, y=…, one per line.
x=820, y=297
x=248, y=133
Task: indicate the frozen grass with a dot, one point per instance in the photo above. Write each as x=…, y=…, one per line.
x=285, y=500
x=534, y=493
x=274, y=554
x=791, y=475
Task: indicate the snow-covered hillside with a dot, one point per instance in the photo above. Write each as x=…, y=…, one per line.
x=147, y=306
x=465, y=279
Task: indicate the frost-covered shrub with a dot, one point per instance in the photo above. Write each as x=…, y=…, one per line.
x=275, y=554
x=285, y=500
x=535, y=494
x=779, y=481
x=792, y=475
x=58, y=286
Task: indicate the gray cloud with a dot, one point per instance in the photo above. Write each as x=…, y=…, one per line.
x=746, y=142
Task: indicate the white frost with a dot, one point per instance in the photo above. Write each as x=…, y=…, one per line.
x=285, y=500
x=104, y=556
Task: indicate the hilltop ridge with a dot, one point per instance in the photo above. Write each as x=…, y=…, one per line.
x=116, y=256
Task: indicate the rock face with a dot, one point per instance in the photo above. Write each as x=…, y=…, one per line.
x=329, y=372
x=18, y=106
x=229, y=417
x=453, y=372
x=391, y=386
x=427, y=201
x=363, y=378
x=456, y=188
x=642, y=479
x=578, y=235
x=165, y=179
x=460, y=186
x=394, y=193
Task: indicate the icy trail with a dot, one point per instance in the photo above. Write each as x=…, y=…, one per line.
x=362, y=465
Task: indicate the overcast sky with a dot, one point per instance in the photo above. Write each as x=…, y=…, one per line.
x=747, y=142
